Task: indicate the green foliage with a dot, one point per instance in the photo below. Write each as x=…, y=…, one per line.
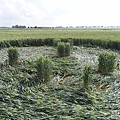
x=13, y=56
x=22, y=97
x=107, y=61
x=67, y=49
x=87, y=76
x=63, y=49
x=44, y=69
x=49, y=37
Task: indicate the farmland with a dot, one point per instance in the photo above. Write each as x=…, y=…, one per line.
x=40, y=37
x=23, y=96
x=18, y=34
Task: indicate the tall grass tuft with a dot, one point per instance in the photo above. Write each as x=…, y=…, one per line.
x=107, y=61
x=87, y=76
x=63, y=49
x=67, y=49
x=13, y=56
x=44, y=69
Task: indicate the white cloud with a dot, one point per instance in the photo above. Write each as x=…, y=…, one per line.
x=20, y=12
x=59, y=12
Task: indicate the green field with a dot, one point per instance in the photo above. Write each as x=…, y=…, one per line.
x=24, y=96
x=18, y=34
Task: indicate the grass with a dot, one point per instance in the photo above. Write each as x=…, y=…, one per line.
x=23, y=97
x=18, y=34
x=50, y=37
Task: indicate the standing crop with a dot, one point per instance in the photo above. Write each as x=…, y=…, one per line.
x=107, y=61
x=63, y=49
x=13, y=56
x=87, y=76
x=44, y=69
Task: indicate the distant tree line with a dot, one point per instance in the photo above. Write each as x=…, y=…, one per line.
x=19, y=26
x=42, y=27
x=46, y=27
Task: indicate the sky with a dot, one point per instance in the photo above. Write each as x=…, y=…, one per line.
x=60, y=12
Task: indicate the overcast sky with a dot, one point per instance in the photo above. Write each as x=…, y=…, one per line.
x=60, y=12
